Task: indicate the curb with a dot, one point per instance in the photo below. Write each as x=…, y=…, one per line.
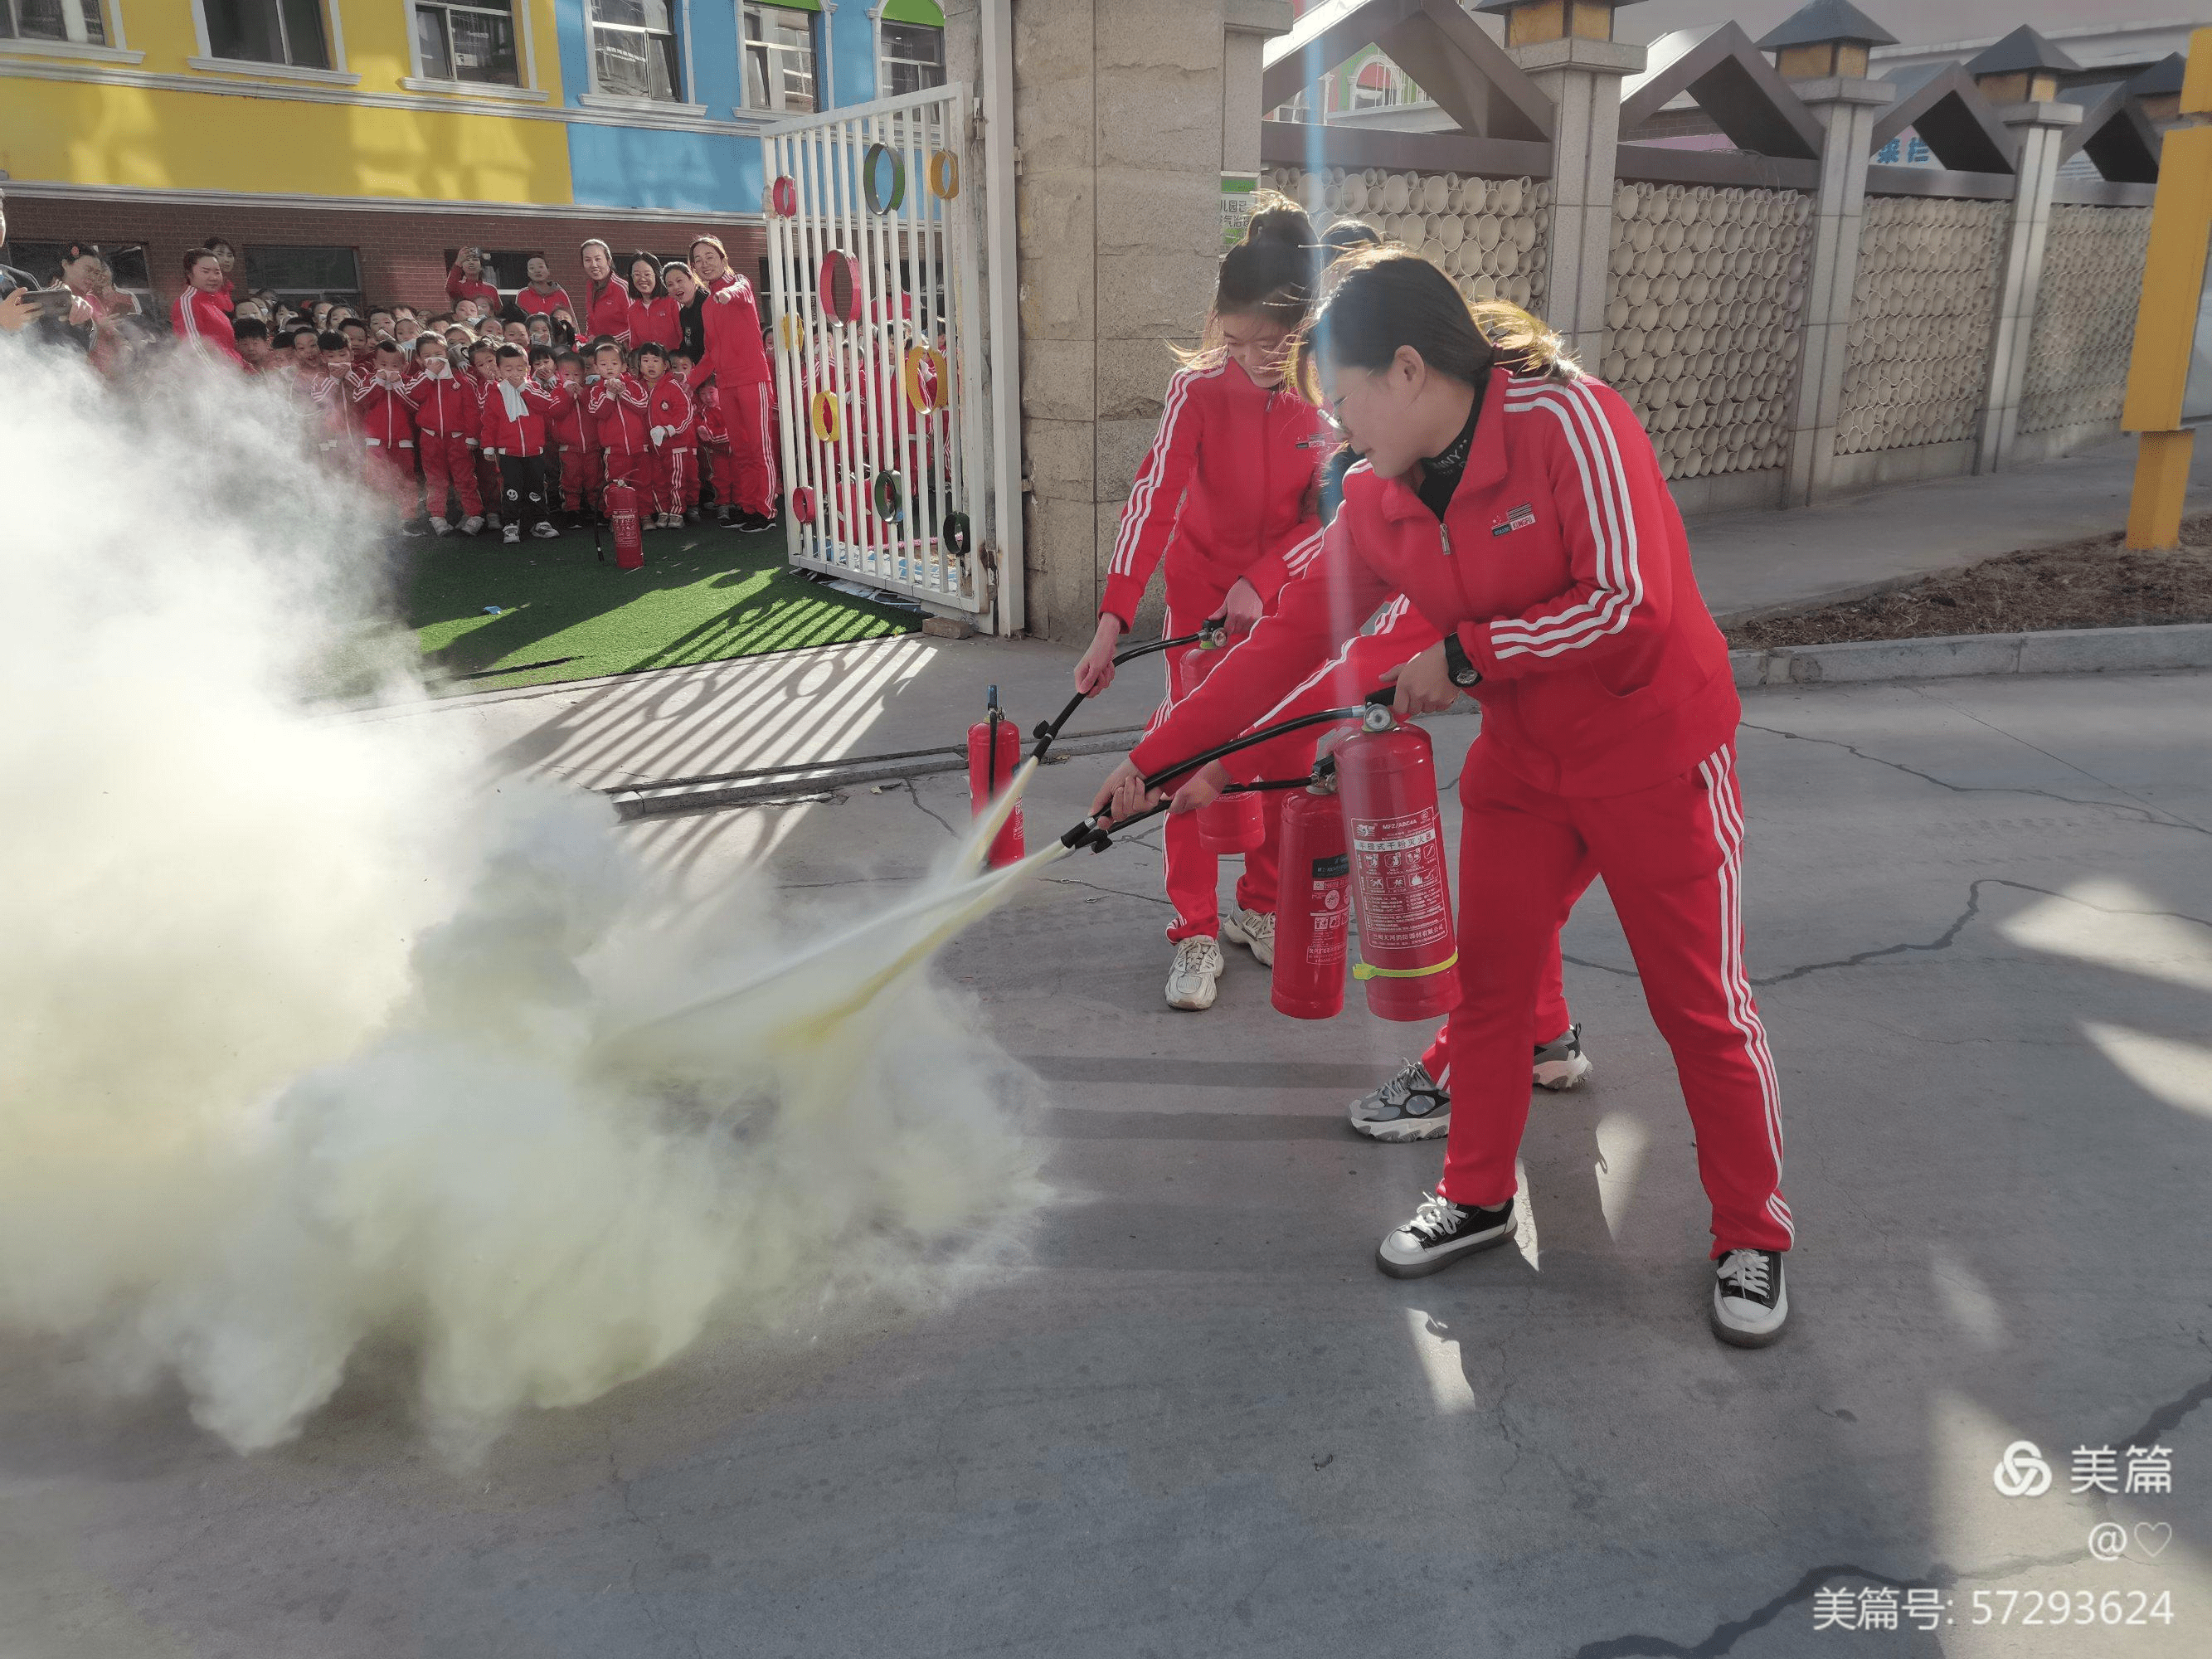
x=2058, y=651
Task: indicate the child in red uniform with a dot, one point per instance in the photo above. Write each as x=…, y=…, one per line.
x=385, y=415
x=736, y=359
x=653, y=314
x=251, y=336
x=674, y=435
x=576, y=458
x=616, y=401
x=448, y=408
x=483, y=373
x=513, y=431
x=199, y=318
x=472, y=296
x=544, y=296
x=1526, y=519
x=607, y=296
x=331, y=398
x=1225, y=496
x=713, y=458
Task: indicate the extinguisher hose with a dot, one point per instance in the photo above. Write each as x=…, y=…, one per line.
x=1097, y=833
x=1048, y=732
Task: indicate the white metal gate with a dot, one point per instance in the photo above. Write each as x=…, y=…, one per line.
x=878, y=282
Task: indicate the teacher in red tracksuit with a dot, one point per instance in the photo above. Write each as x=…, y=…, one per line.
x=1228, y=497
x=1526, y=519
x=736, y=360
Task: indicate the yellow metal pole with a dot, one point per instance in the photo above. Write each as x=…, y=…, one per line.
x=2165, y=316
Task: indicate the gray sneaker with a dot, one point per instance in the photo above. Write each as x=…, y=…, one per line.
x=1560, y=1064
x=1409, y=1107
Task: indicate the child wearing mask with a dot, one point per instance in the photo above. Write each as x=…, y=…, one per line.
x=448, y=409
x=514, y=433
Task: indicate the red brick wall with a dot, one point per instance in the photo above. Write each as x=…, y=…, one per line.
x=402, y=255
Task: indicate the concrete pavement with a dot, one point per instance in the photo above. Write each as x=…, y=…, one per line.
x=1193, y=1420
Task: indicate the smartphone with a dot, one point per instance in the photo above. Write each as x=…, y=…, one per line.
x=52, y=303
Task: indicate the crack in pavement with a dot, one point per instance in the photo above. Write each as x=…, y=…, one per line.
x=2141, y=814
x=915, y=795
x=1111, y=892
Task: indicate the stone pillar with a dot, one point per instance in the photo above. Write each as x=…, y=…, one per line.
x=1845, y=110
x=1126, y=114
x=2040, y=127
x=1582, y=77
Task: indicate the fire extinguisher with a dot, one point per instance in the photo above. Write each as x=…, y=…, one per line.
x=1227, y=824
x=1313, y=905
x=622, y=513
x=1387, y=780
x=994, y=749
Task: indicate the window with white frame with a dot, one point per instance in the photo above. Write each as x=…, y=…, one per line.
x=473, y=41
x=290, y=32
x=913, y=57
x=780, y=59
x=634, y=50
x=298, y=274
x=79, y=22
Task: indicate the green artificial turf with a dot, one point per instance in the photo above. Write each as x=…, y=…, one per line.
x=705, y=595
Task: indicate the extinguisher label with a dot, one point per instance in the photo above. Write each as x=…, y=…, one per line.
x=1331, y=908
x=1406, y=904
x=1334, y=867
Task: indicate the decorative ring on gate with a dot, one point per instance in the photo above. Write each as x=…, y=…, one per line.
x=880, y=199
x=783, y=198
x=839, y=285
x=889, y=493
x=790, y=330
x=802, y=505
x=956, y=536
x=943, y=174
x=828, y=416
x=923, y=377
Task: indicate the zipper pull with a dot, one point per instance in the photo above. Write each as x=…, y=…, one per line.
x=1444, y=535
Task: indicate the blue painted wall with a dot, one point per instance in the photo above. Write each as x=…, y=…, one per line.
x=709, y=172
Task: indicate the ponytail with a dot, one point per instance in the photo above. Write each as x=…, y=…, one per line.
x=1380, y=299
x=1271, y=273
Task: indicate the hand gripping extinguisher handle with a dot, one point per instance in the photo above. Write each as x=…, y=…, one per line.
x=1048, y=732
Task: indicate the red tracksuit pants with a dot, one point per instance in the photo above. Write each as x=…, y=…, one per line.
x=1672, y=857
x=1193, y=874
x=580, y=476
x=719, y=465
x=449, y=466
x=674, y=478
x=751, y=423
x=392, y=473
x=489, y=485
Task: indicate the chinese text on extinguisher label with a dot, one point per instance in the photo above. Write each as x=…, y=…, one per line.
x=1331, y=908
x=1402, y=879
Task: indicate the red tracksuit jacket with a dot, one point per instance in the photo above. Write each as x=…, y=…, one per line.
x=503, y=434
x=657, y=320
x=448, y=407
x=385, y=414
x=618, y=412
x=669, y=405
x=713, y=429
x=531, y=303
x=459, y=285
x=606, y=310
x=735, y=354
x=201, y=320
x=564, y=422
x=1247, y=455
x=1562, y=565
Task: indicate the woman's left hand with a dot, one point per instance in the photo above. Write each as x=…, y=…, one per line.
x=1244, y=607
x=1123, y=795
x=1201, y=788
x=1424, y=684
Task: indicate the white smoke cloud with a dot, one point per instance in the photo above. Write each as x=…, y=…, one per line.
x=314, y=1037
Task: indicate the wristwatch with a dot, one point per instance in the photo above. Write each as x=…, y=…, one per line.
x=1457, y=664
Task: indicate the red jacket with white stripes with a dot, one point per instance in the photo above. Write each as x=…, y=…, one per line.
x=668, y=405
x=506, y=434
x=446, y=406
x=1562, y=565
x=531, y=303
x=202, y=321
x=618, y=412
x=384, y=413
x=730, y=317
x=606, y=310
x=1247, y=456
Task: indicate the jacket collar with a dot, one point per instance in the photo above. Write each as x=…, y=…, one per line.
x=1485, y=461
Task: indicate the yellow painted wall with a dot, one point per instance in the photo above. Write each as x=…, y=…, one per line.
x=104, y=131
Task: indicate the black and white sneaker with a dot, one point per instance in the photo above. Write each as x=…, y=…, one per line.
x=1560, y=1064
x=1409, y=1107
x=1750, y=1304
x=1440, y=1233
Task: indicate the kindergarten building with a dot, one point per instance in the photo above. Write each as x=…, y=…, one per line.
x=349, y=147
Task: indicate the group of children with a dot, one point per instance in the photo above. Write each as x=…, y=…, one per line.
x=491, y=416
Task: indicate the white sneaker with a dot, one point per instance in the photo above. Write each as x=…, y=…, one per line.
x=544, y=531
x=470, y=525
x=439, y=526
x=1253, y=929
x=1750, y=1303
x=1560, y=1064
x=1191, y=981
x=512, y=535
x=1440, y=1233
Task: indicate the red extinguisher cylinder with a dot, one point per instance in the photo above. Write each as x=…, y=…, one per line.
x=1313, y=907
x=994, y=753
x=1395, y=834
x=622, y=515
x=1227, y=824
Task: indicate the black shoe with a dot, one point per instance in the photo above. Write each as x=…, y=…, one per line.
x=724, y=518
x=1750, y=1304
x=751, y=523
x=1440, y=1233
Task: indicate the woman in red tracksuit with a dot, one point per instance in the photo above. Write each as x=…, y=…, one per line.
x=199, y=318
x=1225, y=496
x=606, y=297
x=734, y=358
x=653, y=317
x=1528, y=519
